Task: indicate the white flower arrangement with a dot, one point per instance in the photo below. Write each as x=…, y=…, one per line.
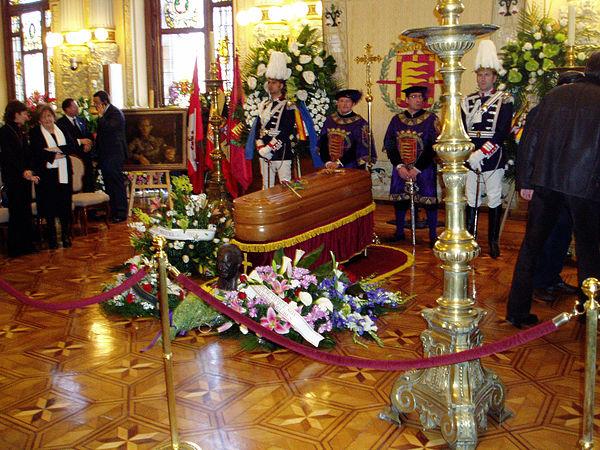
x=311, y=75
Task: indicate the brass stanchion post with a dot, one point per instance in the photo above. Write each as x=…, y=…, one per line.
x=455, y=398
x=590, y=287
x=163, y=299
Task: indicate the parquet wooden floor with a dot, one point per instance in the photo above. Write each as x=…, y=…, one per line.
x=77, y=379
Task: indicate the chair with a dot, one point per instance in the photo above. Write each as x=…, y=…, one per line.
x=82, y=201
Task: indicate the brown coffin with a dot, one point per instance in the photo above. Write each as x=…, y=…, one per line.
x=276, y=213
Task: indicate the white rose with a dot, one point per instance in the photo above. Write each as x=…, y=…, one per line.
x=542, y=55
x=501, y=87
x=527, y=46
x=288, y=59
x=305, y=59
x=537, y=36
x=261, y=69
x=318, y=61
x=302, y=95
x=252, y=83
x=502, y=72
x=299, y=68
x=288, y=73
x=293, y=46
x=296, y=52
x=305, y=298
x=548, y=28
x=308, y=76
x=540, y=72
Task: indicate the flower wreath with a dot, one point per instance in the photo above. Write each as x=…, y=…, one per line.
x=311, y=80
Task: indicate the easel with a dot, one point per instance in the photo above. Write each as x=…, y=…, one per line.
x=150, y=184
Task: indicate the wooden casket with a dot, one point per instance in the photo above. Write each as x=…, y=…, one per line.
x=335, y=210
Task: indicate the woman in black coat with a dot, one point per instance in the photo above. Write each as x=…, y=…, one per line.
x=17, y=175
x=51, y=149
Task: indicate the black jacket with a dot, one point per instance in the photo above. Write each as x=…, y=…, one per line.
x=562, y=147
x=110, y=139
x=15, y=157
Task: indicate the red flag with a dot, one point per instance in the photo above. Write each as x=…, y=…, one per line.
x=241, y=168
x=195, y=136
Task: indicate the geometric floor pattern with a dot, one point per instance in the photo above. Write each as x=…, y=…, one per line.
x=77, y=379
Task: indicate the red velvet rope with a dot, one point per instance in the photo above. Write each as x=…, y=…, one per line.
x=76, y=304
x=348, y=361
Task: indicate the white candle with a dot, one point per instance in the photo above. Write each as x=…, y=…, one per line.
x=571, y=36
x=211, y=46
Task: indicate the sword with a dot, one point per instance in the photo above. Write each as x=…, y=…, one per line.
x=410, y=187
x=476, y=215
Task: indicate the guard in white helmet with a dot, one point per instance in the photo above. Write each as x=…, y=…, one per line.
x=487, y=115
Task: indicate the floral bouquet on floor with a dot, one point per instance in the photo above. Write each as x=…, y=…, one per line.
x=291, y=300
x=195, y=229
x=142, y=299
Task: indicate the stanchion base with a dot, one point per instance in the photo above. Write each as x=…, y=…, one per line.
x=183, y=445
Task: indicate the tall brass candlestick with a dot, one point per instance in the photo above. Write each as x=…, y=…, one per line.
x=454, y=398
x=216, y=189
x=368, y=59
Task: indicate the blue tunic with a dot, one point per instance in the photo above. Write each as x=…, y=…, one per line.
x=409, y=140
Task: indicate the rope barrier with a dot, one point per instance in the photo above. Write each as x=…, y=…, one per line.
x=130, y=282
x=362, y=363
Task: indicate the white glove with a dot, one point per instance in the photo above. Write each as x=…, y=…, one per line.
x=265, y=152
x=475, y=160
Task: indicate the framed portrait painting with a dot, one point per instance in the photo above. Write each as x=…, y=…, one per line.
x=156, y=139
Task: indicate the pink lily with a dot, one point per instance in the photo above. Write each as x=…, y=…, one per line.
x=280, y=287
x=273, y=323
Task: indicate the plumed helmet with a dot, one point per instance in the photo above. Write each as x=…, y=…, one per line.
x=277, y=68
x=487, y=57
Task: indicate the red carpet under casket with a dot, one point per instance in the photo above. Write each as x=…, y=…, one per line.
x=381, y=261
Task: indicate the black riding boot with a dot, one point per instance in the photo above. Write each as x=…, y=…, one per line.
x=51, y=233
x=470, y=219
x=495, y=216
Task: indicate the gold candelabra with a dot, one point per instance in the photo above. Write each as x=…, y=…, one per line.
x=367, y=59
x=216, y=189
x=455, y=398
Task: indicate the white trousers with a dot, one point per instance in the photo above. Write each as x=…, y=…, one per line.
x=269, y=168
x=489, y=182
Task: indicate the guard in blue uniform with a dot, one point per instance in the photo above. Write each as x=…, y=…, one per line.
x=487, y=116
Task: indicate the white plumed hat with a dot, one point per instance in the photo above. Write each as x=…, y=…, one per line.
x=277, y=68
x=487, y=58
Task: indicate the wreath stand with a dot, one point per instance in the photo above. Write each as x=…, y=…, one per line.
x=149, y=184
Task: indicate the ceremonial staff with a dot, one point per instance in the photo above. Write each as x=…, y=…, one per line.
x=411, y=189
x=368, y=59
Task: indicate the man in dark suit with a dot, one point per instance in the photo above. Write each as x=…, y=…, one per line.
x=111, y=149
x=562, y=152
x=73, y=125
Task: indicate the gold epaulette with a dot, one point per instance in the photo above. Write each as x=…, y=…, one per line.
x=507, y=98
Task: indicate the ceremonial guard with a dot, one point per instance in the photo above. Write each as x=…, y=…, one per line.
x=275, y=125
x=487, y=116
x=409, y=145
x=344, y=139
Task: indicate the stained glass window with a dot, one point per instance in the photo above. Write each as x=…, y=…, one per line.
x=32, y=31
x=28, y=65
x=223, y=26
x=15, y=24
x=184, y=28
x=182, y=14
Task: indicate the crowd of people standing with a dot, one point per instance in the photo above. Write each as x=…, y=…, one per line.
x=42, y=156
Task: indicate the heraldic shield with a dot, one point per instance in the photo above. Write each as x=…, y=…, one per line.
x=337, y=141
x=408, y=144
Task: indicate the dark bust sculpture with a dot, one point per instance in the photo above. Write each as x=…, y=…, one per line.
x=229, y=261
